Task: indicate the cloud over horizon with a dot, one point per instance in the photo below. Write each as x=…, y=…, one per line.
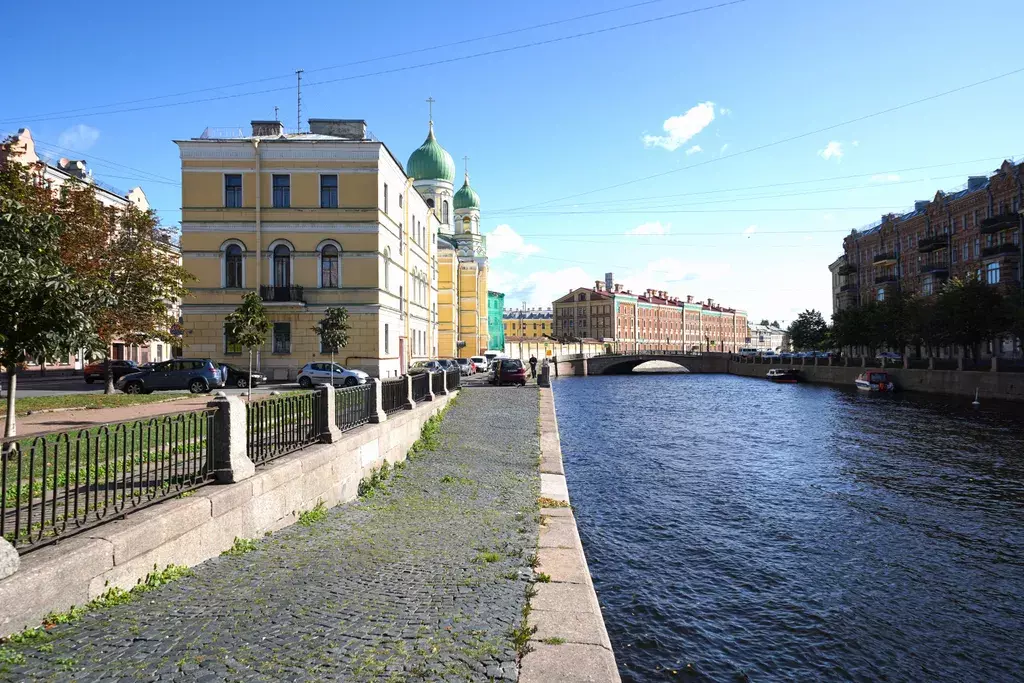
x=504, y=241
x=680, y=129
x=78, y=137
x=833, y=150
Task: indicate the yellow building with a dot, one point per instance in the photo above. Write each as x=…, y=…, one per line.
x=311, y=220
x=461, y=251
x=528, y=323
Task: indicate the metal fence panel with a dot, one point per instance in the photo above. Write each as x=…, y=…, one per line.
x=61, y=483
x=393, y=394
x=282, y=425
x=353, y=406
x=420, y=386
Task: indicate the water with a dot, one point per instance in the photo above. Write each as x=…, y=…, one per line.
x=769, y=532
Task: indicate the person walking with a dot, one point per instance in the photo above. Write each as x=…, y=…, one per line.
x=533, y=366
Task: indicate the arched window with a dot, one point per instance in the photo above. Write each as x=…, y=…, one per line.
x=444, y=212
x=282, y=266
x=387, y=270
x=465, y=224
x=233, y=267
x=330, y=267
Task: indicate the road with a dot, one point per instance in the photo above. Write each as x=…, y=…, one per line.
x=76, y=385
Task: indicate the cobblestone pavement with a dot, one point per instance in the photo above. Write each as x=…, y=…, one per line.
x=421, y=581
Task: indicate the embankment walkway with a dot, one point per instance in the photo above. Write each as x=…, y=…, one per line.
x=423, y=580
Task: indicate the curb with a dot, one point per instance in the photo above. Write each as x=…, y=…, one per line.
x=565, y=609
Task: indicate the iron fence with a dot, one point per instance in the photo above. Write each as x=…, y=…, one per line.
x=437, y=382
x=353, y=406
x=393, y=394
x=282, y=425
x=454, y=379
x=421, y=386
x=58, y=484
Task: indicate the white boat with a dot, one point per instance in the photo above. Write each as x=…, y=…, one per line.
x=875, y=380
x=784, y=376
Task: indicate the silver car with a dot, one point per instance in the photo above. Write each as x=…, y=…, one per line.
x=321, y=373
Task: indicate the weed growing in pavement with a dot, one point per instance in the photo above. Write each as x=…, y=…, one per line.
x=241, y=546
x=449, y=479
x=552, y=503
x=553, y=640
x=314, y=516
x=533, y=560
x=512, y=575
x=521, y=634
x=487, y=557
x=375, y=482
x=541, y=577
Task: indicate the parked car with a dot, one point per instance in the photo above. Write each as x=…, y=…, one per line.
x=509, y=371
x=119, y=368
x=239, y=377
x=448, y=363
x=749, y=352
x=422, y=366
x=466, y=367
x=321, y=373
x=890, y=355
x=198, y=375
x=480, y=362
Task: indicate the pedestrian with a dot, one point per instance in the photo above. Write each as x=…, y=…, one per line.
x=533, y=366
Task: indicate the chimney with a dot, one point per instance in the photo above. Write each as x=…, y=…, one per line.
x=346, y=129
x=618, y=289
x=689, y=298
x=920, y=204
x=597, y=285
x=711, y=302
x=976, y=182
x=267, y=128
x=74, y=167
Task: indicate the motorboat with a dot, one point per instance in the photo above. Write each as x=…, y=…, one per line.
x=875, y=380
x=784, y=375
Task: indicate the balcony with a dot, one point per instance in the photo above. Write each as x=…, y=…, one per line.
x=885, y=279
x=846, y=269
x=1008, y=250
x=281, y=295
x=932, y=243
x=1001, y=222
x=937, y=269
x=848, y=288
x=888, y=259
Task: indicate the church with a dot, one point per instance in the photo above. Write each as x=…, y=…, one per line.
x=461, y=250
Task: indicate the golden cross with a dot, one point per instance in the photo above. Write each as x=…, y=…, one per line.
x=430, y=103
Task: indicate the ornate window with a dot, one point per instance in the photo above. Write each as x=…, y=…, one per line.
x=444, y=212
x=233, y=278
x=282, y=266
x=330, y=267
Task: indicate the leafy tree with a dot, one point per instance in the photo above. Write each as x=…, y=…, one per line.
x=43, y=306
x=971, y=312
x=129, y=266
x=333, y=332
x=764, y=321
x=775, y=324
x=808, y=331
x=248, y=326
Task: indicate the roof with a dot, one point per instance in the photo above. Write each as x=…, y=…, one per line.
x=430, y=161
x=466, y=197
x=514, y=314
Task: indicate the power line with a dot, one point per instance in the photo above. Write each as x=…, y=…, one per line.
x=779, y=142
x=411, y=67
x=717, y=210
x=101, y=161
x=347, y=64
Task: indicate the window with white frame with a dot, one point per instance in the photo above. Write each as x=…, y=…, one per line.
x=992, y=273
x=880, y=296
x=233, y=190
x=233, y=267
x=330, y=267
x=282, y=191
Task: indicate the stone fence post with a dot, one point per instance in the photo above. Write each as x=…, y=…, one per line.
x=444, y=385
x=9, y=559
x=329, y=432
x=379, y=415
x=430, y=387
x=931, y=362
x=409, y=403
x=544, y=379
x=230, y=459
x=960, y=362
x=995, y=364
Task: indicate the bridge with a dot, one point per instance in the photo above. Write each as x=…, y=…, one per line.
x=624, y=363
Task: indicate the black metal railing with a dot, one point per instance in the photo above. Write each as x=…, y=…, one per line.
x=882, y=279
x=58, y=484
x=1002, y=221
x=420, y=386
x=454, y=379
x=281, y=294
x=934, y=268
x=281, y=425
x=848, y=288
x=883, y=258
x=393, y=394
x=437, y=382
x=353, y=406
x=1000, y=249
x=933, y=242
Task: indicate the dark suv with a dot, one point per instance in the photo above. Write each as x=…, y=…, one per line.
x=198, y=375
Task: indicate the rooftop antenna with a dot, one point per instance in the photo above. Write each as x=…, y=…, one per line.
x=276, y=118
x=298, y=99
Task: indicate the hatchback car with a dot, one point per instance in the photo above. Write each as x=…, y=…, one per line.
x=509, y=371
x=119, y=368
x=198, y=375
x=321, y=373
x=422, y=366
x=239, y=377
x=480, y=362
x=465, y=366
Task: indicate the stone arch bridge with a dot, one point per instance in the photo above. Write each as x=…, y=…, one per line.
x=624, y=363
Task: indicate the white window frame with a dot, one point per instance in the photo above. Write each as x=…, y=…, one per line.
x=224, y=190
x=320, y=264
x=291, y=261
x=224, y=262
x=337, y=191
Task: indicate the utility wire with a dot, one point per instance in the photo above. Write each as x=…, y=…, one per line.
x=394, y=55
x=411, y=67
x=92, y=159
x=768, y=145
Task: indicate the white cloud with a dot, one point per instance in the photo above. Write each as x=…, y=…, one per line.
x=724, y=111
x=694, y=150
x=724, y=147
x=79, y=137
x=885, y=178
x=503, y=240
x=538, y=289
x=855, y=143
x=655, y=228
x=833, y=150
x=750, y=231
x=678, y=278
x=681, y=128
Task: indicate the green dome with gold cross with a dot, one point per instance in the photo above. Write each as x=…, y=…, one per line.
x=466, y=197
x=430, y=161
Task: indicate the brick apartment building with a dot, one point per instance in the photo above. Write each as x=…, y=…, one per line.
x=650, y=321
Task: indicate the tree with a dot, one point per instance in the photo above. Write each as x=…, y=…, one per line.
x=775, y=324
x=333, y=332
x=248, y=326
x=43, y=306
x=764, y=322
x=971, y=312
x=128, y=262
x=808, y=331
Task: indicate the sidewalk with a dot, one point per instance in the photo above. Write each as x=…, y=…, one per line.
x=37, y=423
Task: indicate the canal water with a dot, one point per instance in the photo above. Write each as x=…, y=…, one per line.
x=739, y=530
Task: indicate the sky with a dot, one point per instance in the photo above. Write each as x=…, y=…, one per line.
x=673, y=145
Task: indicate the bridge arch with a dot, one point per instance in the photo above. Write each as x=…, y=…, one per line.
x=629, y=365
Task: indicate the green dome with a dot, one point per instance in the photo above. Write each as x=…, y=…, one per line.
x=466, y=198
x=430, y=161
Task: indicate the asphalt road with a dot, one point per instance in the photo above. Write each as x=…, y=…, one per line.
x=77, y=385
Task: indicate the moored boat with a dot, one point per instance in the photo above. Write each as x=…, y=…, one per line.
x=875, y=380
x=784, y=376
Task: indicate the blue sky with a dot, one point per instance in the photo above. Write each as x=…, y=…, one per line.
x=572, y=117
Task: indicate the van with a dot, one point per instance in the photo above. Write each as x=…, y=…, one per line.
x=749, y=352
x=491, y=355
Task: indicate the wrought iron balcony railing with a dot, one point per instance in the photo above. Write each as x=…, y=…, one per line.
x=1001, y=222
x=932, y=243
x=1006, y=249
x=882, y=259
x=281, y=294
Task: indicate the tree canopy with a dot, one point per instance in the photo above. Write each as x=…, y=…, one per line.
x=809, y=331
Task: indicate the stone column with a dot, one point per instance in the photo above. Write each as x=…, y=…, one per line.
x=430, y=388
x=960, y=362
x=230, y=459
x=379, y=415
x=9, y=559
x=906, y=361
x=931, y=363
x=445, y=390
x=329, y=432
x=409, y=403
x=863, y=361
x=995, y=364
x=544, y=378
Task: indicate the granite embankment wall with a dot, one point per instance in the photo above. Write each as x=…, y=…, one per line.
x=190, y=530
x=1007, y=386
